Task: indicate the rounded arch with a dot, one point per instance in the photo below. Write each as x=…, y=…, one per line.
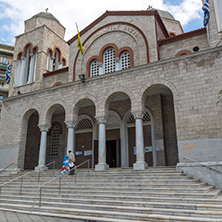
x=57, y=84
x=19, y=56
x=146, y=88
x=49, y=50
x=45, y=119
x=26, y=47
x=60, y=52
x=104, y=48
x=110, y=24
x=111, y=95
x=172, y=34
x=81, y=99
x=120, y=51
x=64, y=61
x=83, y=124
x=183, y=52
x=35, y=49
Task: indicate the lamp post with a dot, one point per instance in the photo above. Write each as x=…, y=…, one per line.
x=82, y=77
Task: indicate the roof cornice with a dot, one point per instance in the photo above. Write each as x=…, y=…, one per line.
x=122, y=13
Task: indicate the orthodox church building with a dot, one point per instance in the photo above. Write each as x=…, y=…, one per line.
x=143, y=93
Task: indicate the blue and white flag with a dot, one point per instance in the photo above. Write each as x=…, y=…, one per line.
x=206, y=13
x=8, y=74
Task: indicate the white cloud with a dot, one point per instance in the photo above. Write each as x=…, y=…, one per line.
x=68, y=12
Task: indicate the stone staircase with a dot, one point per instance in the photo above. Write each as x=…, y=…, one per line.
x=117, y=195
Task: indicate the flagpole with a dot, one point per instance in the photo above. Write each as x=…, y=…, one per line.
x=83, y=54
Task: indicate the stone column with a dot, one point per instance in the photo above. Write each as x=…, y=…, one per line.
x=42, y=151
x=140, y=163
x=71, y=135
x=102, y=165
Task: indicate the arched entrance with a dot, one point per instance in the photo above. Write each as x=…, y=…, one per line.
x=31, y=139
x=158, y=99
x=56, y=137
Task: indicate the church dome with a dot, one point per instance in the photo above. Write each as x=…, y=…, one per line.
x=46, y=15
x=165, y=14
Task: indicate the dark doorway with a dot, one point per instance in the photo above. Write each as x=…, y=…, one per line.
x=111, y=153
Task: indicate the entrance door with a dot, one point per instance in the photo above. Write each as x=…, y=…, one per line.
x=111, y=159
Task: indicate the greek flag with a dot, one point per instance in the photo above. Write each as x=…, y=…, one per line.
x=7, y=74
x=206, y=13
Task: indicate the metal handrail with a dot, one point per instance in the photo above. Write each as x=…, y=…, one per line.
x=39, y=192
x=209, y=167
x=22, y=176
x=6, y=167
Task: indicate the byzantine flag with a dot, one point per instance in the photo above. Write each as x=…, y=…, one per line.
x=79, y=44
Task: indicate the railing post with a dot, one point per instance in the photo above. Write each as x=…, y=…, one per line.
x=53, y=167
x=0, y=191
x=40, y=196
x=88, y=168
x=59, y=185
x=21, y=184
x=39, y=176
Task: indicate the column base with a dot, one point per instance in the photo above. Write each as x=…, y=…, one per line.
x=101, y=167
x=41, y=168
x=140, y=166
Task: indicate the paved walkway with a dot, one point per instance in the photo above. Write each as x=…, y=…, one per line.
x=19, y=217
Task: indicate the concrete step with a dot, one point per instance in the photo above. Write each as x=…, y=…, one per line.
x=135, y=213
x=111, y=189
x=92, y=202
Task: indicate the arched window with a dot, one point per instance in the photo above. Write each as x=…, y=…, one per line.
x=109, y=61
x=55, y=140
x=94, y=68
x=26, y=66
x=124, y=60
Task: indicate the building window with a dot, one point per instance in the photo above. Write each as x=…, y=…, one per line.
x=125, y=60
x=109, y=60
x=26, y=67
x=94, y=68
x=4, y=59
x=84, y=124
x=55, y=141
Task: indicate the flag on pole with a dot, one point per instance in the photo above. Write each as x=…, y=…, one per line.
x=79, y=44
x=206, y=13
x=7, y=74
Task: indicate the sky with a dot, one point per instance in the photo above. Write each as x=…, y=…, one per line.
x=68, y=12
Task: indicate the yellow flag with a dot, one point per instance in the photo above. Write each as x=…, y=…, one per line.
x=79, y=44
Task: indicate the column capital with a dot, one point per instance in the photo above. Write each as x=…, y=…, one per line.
x=44, y=128
x=31, y=54
x=70, y=124
x=101, y=119
x=100, y=64
x=138, y=114
x=22, y=57
x=117, y=59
